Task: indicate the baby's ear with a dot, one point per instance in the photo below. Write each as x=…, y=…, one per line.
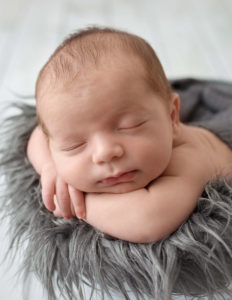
x=175, y=112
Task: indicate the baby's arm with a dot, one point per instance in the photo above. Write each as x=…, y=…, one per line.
x=144, y=215
x=39, y=155
x=38, y=150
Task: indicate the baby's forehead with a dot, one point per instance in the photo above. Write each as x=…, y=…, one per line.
x=122, y=76
x=63, y=70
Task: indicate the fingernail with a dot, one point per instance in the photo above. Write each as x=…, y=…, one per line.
x=81, y=216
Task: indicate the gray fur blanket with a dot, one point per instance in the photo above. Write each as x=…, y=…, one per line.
x=207, y=104
x=195, y=260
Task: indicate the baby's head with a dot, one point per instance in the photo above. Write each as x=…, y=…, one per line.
x=108, y=111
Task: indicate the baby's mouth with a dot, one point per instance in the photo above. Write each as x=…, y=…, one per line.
x=119, y=178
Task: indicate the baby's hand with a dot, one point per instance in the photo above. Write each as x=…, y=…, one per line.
x=69, y=199
x=59, y=197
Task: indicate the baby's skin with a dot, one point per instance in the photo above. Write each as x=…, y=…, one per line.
x=116, y=155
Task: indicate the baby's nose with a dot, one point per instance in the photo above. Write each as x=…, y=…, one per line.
x=106, y=150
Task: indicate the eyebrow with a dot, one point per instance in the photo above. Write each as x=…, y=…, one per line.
x=125, y=109
x=140, y=111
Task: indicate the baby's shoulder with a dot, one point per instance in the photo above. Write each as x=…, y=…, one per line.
x=198, y=151
x=213, y=149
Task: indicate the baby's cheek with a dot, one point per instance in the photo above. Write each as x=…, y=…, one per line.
x=157, y=159
x=66, y=171
x=63, y=168
x=73, y=173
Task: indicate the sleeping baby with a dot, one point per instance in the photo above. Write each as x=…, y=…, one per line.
x=109, y=146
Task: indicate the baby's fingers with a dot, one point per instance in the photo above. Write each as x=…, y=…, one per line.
x=57, y=212
x=63, y=199
x=78, y=202
x=48, y=191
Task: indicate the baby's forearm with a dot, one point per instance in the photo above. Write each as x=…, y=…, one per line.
x=144, y=215
x=126, y=216
x=38, y=150
x=118, y=215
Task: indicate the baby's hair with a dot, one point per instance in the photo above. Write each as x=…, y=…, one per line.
x=89, y=47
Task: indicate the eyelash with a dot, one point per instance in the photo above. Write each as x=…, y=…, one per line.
x=73, y=147
x=132, y=127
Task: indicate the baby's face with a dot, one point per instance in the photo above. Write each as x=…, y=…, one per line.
x=108, y=132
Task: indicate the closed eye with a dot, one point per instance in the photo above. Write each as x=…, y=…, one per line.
x=132, y=126
x=77, y=146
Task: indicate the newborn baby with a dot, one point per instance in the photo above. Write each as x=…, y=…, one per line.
x=109, y=146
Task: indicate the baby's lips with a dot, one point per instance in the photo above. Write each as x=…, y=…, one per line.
x=123, y=177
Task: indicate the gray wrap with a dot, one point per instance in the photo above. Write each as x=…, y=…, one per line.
x=195, y=260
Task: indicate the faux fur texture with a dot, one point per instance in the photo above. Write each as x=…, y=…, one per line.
x=195, y=260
